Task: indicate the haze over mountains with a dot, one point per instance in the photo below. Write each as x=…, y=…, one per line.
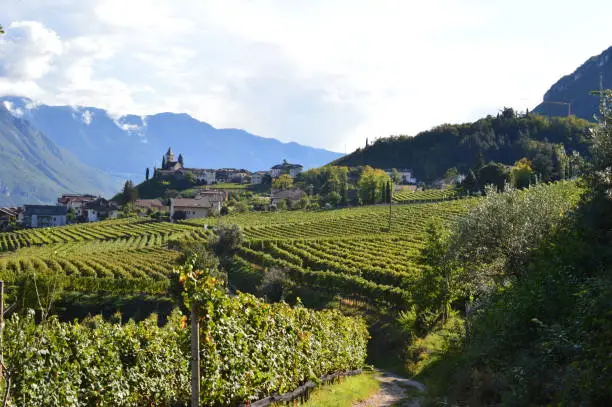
x=129, y=144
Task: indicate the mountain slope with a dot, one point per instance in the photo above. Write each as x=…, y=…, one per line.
x=505, y=138
x=129, y=144
x=575, y=89
x=33, y=169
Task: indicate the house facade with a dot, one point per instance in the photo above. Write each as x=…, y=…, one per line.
x=286, y=168
x=406, y=174
x=151, y=205
x=257, y=177
x=201, y=175
x=291, y=195
x=75, y=202
x=42, y=216
x=100, y=209
x=8, y=215
x=201, y=206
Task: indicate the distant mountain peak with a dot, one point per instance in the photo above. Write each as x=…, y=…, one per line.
x=127, y=144
x=572, y=93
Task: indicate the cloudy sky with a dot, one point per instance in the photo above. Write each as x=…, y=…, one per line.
x=326, y=73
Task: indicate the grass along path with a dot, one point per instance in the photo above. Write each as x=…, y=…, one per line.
x=394, y=391
x=345, y=394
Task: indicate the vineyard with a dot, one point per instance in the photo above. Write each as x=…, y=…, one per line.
x=350, y=252
x=429, y=195
x=369, y=252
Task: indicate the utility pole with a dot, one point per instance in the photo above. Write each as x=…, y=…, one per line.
x=195, y=356
x=390, y=197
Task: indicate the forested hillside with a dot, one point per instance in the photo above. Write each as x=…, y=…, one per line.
x=505, y=138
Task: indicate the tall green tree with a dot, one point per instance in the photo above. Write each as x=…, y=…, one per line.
x=163, y=167
x=130, y=193
x=522, y=175
x=180, y=159
x=147, y=174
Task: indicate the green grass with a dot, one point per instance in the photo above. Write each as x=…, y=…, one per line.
x=351, y=390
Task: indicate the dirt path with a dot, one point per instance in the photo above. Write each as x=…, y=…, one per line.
x=394, y=391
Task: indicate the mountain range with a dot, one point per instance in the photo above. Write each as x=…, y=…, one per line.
x=49, y=150
x=34, y=169
x=129, y=144
x=572, y=93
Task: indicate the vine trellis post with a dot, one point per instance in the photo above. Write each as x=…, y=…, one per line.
x=195, y=356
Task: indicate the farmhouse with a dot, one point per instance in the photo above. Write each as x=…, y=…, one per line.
x=151, y=205
x=42, y=216
x=206, y=203
x=100, y=209
x=231, y=175
x=257, y=177
x=291, y=195
x=200, y=175
x=407, y=175
x=8, y=215
x=75, y=202
x=285, y=168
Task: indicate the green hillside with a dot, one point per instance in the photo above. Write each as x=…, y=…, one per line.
x=505, y=138
x=35, y=170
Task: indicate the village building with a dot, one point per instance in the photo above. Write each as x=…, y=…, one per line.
x=75, y=202
x=286, y=168
x=406, y=174
x=200, y=175
x=100, y=209
x=151, y=205
x=203, y=205
x=42, y=216
x=291, y=196
x=8, y=215
x=257, y=177
x=226, y=175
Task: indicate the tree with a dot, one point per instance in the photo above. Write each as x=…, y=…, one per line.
x=147, y=174
x=470, y=183
x=396, y=176
x=284, y=181
x=450, y=176
x=372, y=184
x=130, y=193
x=522, y=175
x=180, y=159
x=227, y=240
x=163, y=167
x=493, y=174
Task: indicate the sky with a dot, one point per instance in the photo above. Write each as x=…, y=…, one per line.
x=324, y=73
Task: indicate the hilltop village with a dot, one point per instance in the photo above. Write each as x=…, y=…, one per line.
x=176, y=192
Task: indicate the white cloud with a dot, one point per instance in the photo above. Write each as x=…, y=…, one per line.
x=322, y=72
x=15, y=111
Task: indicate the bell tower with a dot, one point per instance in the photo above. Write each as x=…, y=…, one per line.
x=170, y=156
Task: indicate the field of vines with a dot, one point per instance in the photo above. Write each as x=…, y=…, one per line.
x=369, y=251
x=348, y=252
x=124, y=255
x=429, y=195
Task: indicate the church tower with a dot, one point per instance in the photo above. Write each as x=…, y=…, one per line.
x=170, y=156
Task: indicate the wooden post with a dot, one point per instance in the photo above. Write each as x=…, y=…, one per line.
x=195, y=356
x=390, y=185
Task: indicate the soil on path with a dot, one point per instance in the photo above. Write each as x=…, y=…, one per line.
x=394, y=391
